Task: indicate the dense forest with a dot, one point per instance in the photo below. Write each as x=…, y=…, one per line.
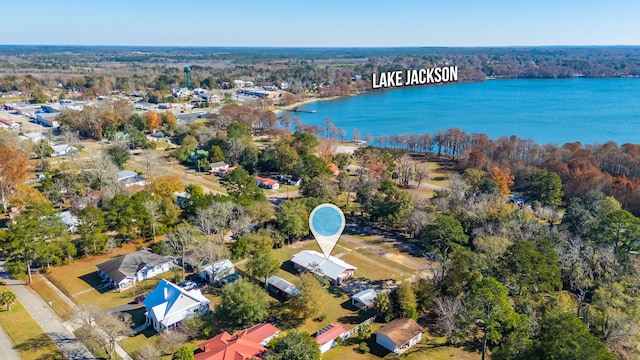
x=136, y=69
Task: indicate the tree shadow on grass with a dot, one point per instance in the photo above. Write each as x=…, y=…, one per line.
x=336, y=291
x=356, y=317
x=36, y=343
x=137, y=316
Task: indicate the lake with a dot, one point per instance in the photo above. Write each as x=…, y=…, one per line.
x=547, y=111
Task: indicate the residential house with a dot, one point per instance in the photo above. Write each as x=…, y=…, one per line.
x=214, y=99
x=364, y=299
x=334, y=169
x=248, y=344
x=63, y=150
x=267, y=183
x=47, y=119
x=168, y=304
x=34, y=137
x=399, y=335
x=281, y=287
x=124, y=271
x=216, y=167
x=215, y=272
x=238, y=83
x=156, y=136
x=224, y=172
x=8, y=124
x=91, y=198
x=335, y=269
x=131, y=178
x=69, y=220
x=326, y=337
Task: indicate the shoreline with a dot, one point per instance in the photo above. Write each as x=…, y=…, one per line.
x=281, y=109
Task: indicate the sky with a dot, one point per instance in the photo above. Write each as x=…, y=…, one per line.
x=331, y=23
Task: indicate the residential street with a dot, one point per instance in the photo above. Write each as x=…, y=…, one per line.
x=48, y=321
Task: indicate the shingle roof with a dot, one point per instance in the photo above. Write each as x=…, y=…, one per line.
x=400, y=331
x=128, y=265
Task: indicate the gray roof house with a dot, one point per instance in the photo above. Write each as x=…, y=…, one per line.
x=282, y=287
x=364, y=299
x=131, y=178
x=124, y=271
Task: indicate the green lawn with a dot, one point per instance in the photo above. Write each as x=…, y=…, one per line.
x=29, y=338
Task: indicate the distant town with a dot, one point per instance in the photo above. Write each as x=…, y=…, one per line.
x=162, y=212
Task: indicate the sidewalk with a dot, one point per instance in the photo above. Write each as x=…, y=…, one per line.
x=73, y=324
x=7, y=349
x=70, y=346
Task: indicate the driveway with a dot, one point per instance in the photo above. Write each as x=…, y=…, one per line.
x=71, y=347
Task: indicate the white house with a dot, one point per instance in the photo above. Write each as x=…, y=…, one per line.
x=399, y=335
x=267, y=183
x=364, y=299
x=215, y=272
x=326, y=337
x=168, y=304
x=8, y=124
x=216, y=167
x=125, y=270
x=34, y=137
x=335, y=269
x=71, y=221
x=63, y=150
x=131, y=178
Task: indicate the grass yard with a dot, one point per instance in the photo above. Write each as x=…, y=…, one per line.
x=81, y=283
x=432, y=348
x=48, y=294
x=373, y=268
x=29, y=338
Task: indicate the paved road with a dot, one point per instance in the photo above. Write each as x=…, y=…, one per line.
x=67, y=342
x=7, y=350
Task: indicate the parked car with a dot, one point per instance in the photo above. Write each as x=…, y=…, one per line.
x=188, y=285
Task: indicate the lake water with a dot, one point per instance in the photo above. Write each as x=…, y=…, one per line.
x=547, y=111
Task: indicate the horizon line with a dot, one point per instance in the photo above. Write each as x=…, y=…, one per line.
x=326, y=47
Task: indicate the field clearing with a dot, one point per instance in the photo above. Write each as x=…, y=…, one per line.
x=28, y=337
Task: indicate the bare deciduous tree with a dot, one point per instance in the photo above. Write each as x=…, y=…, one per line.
x=114, y=325
x=181, y=239
x=447, y=308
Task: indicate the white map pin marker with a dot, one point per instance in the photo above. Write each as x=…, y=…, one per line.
x=327, y=223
